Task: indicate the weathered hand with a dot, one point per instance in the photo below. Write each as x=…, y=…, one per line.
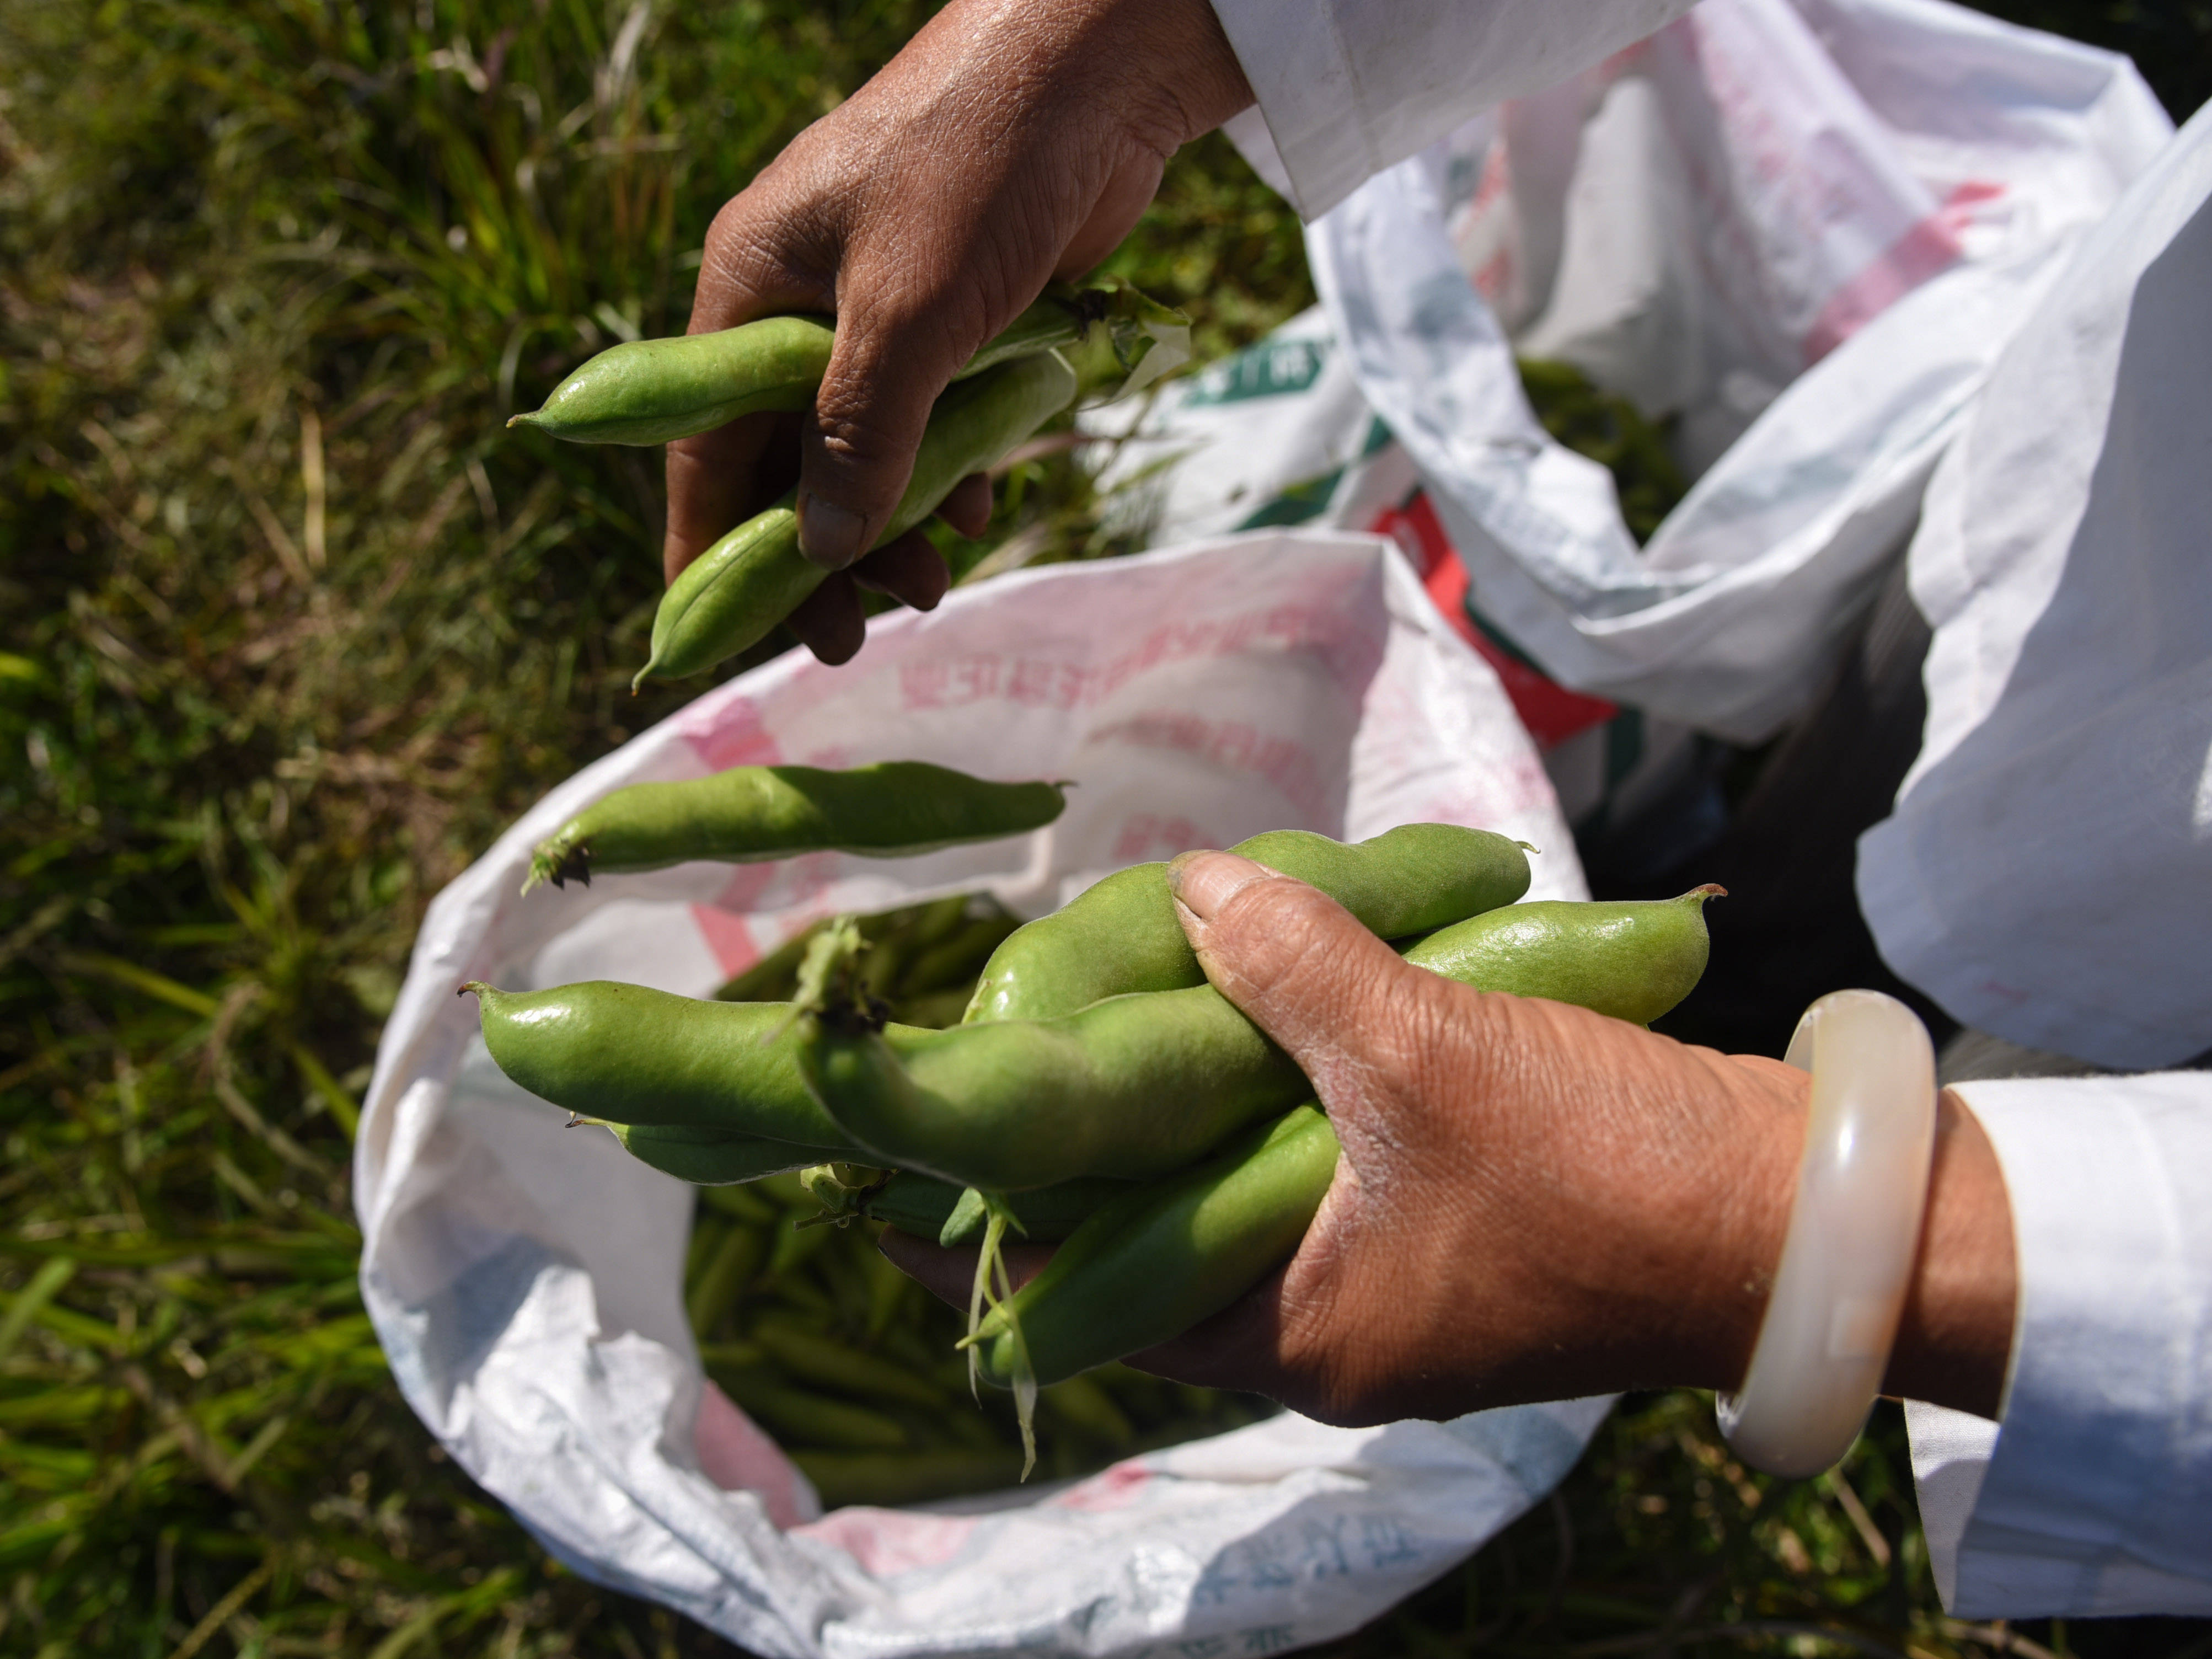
x=1534, y=1202
x=1010, y=142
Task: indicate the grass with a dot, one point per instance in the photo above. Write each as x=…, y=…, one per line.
x=289, y=628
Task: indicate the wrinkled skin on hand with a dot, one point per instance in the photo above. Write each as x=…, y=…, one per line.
x=1010, y=142
x=1534, y=1202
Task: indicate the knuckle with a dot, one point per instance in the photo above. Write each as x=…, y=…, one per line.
x=890, y=353
x=860, y=467
x=1305, y=951
x=760, y=250
x=868, y=436
x=1282, y=926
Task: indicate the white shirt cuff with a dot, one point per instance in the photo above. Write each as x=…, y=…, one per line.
x=2095, y=1497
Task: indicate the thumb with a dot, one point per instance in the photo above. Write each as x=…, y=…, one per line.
x=1339, y=1000
x=886, y=372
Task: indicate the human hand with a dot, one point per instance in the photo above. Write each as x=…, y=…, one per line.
x=1010, y=142
x=1534, y=1202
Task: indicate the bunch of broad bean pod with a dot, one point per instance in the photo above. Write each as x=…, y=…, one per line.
x=1095, y=1092
x=1082, y=345
x=851, y=1364
x=1100, y=1093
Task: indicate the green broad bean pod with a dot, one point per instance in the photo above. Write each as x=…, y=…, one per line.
x=1156, y=1261
x=895, y=809
x=655, y=391
x=625, y=1054
x=827, y=1363
x=1136, y=1086
x=805, y=1415
x=1121, y=935
x=712, y=1158
x=1131, y=1088
x=733, y=593
x=737, y=590
x=1149, y=1265
x=1632, y=959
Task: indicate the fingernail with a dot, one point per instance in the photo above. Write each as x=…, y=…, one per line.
x=1206, y=881
x=829, y=534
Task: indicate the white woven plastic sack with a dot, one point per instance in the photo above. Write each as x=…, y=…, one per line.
x=1260, y=437
x=1801, y=228
x=525, y=1280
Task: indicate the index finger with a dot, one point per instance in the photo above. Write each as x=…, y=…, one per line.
x=756, y=264
x=763, y=256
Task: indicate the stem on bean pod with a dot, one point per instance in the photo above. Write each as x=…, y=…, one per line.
x=830, y=990
x=994, y=1289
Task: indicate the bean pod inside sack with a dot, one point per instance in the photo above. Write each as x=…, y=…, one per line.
x=895, y=809
x=852, y=1366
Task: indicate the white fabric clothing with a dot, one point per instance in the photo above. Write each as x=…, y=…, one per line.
x=1347, y=87
x=2095, y=1496
x=2048, y=873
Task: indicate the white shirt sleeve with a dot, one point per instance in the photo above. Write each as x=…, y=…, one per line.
x=1347, y=87
x=2047, y=873
x=2095, y=1497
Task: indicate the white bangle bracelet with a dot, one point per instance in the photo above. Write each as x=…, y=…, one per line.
x=1854, y=1234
